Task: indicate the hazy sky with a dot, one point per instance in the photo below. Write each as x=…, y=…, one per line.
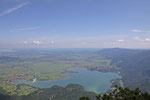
x=74, y=23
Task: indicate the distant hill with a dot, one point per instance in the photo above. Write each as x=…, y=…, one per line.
x=70, y=92
x=134, y=66
x=77, y=92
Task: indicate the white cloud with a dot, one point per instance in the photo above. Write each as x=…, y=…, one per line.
x=52, y=42
x=25, y=42
x=138, y=38
x=23, y=29
x=12, y=0
x=5, y=12
x=135, y=30
x=142, y=40
x=140, y=31
x=36, y=42
x=84, y=43
x=121, y=40
x=147, y=39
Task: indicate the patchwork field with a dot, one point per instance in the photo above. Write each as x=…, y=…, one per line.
x=42, y=65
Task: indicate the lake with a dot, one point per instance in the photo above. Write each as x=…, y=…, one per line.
x=94, y=81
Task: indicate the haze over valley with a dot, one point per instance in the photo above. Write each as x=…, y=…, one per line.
x=74, y=50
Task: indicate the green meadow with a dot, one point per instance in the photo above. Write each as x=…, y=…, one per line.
x=44, y=65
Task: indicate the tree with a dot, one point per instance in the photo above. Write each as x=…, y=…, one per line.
x=120, y=93
x=84, y=98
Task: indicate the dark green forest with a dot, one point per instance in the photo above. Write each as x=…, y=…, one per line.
x=122, y=94
x=77, y=92
x=133, y=64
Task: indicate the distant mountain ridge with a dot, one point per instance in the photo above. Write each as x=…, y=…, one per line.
x=134, y=66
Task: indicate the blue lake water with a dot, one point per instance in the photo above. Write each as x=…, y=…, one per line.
x=94, y=81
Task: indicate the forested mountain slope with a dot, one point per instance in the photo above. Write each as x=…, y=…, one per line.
x=134, y=66
x=70, y=92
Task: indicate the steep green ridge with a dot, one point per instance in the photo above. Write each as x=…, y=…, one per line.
x=77, y=92
x=133, y=65
x=70, y=92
